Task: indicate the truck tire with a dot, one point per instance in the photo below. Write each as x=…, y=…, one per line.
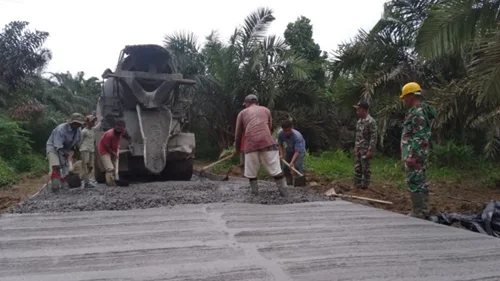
x=99, y=175
x=181, y=170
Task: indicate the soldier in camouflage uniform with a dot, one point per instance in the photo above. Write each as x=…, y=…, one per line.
x=366, y=141
x=415, y=146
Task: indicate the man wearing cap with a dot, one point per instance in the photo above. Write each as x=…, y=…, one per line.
x=61, y=143
x=255, y=123
x=87, y=149
x=364, y=145
x=415, y=145
x=109, y=147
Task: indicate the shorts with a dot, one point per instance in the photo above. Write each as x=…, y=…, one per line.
x=53, y=158
x=270, y=159
x=88, y=158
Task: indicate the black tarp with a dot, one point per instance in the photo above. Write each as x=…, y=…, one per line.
x=487, y=222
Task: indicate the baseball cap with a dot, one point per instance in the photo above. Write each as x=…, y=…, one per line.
x=76, y=118
x=251, y=98
x=362, y=104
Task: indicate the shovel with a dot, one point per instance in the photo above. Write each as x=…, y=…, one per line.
x=298, y=181
x=118, y=181
x=215, y=163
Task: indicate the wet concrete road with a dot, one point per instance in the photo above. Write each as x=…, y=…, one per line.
x=157, y=194
x=238, y=241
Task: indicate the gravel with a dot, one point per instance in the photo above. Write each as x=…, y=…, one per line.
x=157, y=194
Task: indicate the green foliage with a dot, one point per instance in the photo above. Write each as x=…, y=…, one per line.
x=33, y=164
x=7, y=175
x=251, y=62
x=451, y=154
x=14, y=141
x=21, y=55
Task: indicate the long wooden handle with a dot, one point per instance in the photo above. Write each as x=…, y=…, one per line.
x=117, y=163
x=217, y=162
x=331, y=192
x=289, y=166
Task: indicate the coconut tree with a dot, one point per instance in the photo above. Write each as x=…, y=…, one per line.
x=249, y=63
x=468, y=28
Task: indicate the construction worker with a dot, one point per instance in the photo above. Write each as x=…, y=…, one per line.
x=59, y=147
x=415, y=146
x=255, y=122
x=109, y=148
x=87, y=149
x=295, y=149
x=364, y=145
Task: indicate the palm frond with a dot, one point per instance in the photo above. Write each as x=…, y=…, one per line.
x=449, y=26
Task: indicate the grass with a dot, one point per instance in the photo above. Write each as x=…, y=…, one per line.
x=30, y=165
x=339, y=166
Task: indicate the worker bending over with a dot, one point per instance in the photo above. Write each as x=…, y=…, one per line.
x=415, y=146
x=295, y=149
x=364, y=145
x=61, y=142
x=255, y=123
x=87, y=149
x=109, y=149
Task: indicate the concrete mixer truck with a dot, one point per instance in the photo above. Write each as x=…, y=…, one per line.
x=145, y=91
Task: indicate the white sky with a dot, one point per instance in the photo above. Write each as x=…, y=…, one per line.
x=88, y=35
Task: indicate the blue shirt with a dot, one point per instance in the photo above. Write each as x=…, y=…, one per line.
x=63, y=137
x=295, y=142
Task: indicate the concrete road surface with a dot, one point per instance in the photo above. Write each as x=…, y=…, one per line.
x=237, y=241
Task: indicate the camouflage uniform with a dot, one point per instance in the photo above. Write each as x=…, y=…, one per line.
x=366, y=139
x=415, y=144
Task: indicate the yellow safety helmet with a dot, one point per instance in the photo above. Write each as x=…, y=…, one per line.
x=410, y=88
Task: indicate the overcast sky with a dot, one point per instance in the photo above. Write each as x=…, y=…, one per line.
x=88, y=35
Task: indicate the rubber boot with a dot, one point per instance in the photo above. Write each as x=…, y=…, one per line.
x=254, y=187
x=110, y=179
x=425, y=203
x=289, y=180
x=417, y=204
x=65, y=185
x=281, y=184
x=55, y=184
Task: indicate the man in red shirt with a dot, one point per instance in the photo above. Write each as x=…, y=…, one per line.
x=255, y=123
x=109, y=148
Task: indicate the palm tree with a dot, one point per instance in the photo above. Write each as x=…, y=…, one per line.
x=250, y=62
x=468, y=28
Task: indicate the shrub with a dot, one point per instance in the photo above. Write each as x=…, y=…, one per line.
x=34, y=164
x=7, y=175
x=14, y=140
x=451, y=154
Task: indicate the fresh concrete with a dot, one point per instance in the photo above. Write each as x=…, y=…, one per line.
x=236, y=241
x=158, y=194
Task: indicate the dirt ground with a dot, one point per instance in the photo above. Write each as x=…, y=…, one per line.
x=444, y=196
x=19, y=192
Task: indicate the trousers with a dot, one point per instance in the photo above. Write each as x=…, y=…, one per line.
x=362, y=173
x=87, y=164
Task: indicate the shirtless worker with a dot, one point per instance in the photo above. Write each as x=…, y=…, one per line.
x=108, y=148
x=61, y=143
x=255, y=122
